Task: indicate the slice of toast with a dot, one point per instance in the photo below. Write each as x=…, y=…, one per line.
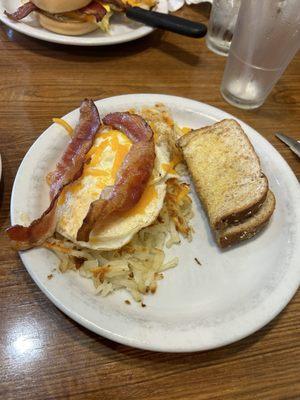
x=249, y=227
x=226, y=172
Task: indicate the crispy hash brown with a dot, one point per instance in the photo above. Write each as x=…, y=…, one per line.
x=140, y=264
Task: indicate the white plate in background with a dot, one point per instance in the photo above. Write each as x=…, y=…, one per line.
x=122, y=29
x=234, y=292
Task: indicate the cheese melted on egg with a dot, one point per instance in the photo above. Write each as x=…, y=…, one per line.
x=100, y=170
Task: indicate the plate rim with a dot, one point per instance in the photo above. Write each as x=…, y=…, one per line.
x=267, y=315
x=78, y=40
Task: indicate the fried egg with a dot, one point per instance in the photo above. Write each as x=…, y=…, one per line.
x=100, y=170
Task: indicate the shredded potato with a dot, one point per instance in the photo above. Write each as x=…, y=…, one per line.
x=138, y=265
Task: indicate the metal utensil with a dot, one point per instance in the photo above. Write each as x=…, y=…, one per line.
x=167, y=22
x=292, y=143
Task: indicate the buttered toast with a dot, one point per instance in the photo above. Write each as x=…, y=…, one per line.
x=228, y=178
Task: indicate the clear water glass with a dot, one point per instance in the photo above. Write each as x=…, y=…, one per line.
x=266, y=38
x=221, y=25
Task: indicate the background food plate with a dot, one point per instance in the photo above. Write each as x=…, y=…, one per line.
x=122, y=29
x=231, y=295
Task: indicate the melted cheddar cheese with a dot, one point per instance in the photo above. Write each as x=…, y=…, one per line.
x=169, y=167
x=118, y=145
x=148, y=196
x=101, y=167
x=64, y=124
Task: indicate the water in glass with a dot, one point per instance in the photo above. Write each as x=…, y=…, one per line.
x=221, y=25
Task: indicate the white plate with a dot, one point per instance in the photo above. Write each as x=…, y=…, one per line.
x=122, y=29
x=233, y=293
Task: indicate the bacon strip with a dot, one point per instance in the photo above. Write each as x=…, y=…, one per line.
x=95, y=9
x=22, y=11
x=68, y=169
x=132, y=177
x=70, y=166
x=134, y=126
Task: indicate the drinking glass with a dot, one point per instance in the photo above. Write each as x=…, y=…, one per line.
x=221, y=25
x=266, y=38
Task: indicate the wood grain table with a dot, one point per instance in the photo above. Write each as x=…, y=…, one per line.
x=44, y=354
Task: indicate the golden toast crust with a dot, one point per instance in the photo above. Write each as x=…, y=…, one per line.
x=250, y=227
x=223, y=148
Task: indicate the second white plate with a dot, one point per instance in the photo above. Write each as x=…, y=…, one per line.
x=122, y=29
x=233, y=293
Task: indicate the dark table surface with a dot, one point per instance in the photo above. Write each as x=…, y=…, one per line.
x=44, y=354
